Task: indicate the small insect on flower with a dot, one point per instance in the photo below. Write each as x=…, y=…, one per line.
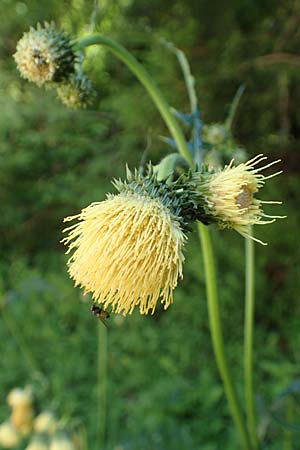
x=100, y=313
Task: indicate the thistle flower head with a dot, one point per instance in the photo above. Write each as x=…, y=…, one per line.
x=45, y=55
x=229, y=195
x=128, y=250
x=76, y=92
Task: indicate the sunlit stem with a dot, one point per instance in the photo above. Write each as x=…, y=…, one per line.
x=248, y=340
x=145, y=79
x=102, y=385
x=234, y=106
x=217, y=334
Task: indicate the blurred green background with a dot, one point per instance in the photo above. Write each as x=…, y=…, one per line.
x=164, y=391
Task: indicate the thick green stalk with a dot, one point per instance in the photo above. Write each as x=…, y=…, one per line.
x=217, y=334
x=147, y=82
x=248, y=340
x=102, y=385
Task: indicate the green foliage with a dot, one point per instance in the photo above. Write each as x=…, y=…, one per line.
x=164, y=391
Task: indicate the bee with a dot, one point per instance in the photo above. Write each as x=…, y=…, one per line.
x=100, y=313
x=39, y=59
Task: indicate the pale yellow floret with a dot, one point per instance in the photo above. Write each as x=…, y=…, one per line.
x=127, y=251
x=230, y=196
x=35, y=58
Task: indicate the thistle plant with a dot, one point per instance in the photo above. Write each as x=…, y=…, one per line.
x=45, y=55
x=128, y=250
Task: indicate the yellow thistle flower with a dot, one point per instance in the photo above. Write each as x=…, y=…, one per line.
x=45, y=55
x=128, y=252
x=229, y=195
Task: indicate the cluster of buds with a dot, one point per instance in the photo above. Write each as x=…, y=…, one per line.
x=127, y=251
x=41, y=432
x=47, y=57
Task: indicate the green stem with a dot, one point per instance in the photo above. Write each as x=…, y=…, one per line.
x=143, y=76
x=102, y=385
x=288, y=436
x=217, y=334
x=248, y=341
x=234, y=106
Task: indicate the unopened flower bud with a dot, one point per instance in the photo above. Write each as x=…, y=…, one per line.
x=77, y=92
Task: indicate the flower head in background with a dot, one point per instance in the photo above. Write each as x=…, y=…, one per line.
x=45, y=422
x=37, y=442
x=61, y=442
x=76, y=92
x=9, y=437
x=20, y=397
x=230, y=199
x=128, y=250
x=45, y=55
x=21, y=402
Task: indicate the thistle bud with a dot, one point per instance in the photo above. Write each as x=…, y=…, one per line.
x=77, y=92
x=45, y=55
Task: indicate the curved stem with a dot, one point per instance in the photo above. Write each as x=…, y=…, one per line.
x=248, y=340
x=217, y=334
x=147, y=82
x=102, y=385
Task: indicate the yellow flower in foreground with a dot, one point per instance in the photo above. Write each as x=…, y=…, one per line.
x=229, y=195
x=128, y=252
x=45, y=55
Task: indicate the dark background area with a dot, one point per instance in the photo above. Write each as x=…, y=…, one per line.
x=163, y=387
